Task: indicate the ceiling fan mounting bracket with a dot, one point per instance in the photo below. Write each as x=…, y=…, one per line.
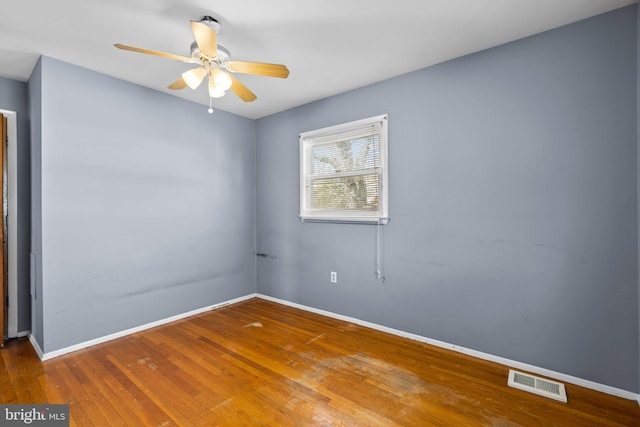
x=211, y=22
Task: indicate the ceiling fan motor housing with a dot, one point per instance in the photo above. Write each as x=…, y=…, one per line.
x=223, y=52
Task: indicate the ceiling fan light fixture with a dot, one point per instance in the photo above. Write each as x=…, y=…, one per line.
x=222, y=80
x=194, y=77
x=215, y=91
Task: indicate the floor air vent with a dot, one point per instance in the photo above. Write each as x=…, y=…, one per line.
x=546, y=388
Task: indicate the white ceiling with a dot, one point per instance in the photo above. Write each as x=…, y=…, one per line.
x=329, y=46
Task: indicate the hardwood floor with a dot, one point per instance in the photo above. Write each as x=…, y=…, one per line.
x=261, y=363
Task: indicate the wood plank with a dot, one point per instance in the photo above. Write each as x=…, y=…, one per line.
x=132, y=395
x=260, y=363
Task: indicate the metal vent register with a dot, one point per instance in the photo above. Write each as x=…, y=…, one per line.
x=540, y=386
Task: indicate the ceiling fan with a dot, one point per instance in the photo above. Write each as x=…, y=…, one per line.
x=214, y=63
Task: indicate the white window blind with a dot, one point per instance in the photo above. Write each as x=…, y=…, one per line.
x=343, y=172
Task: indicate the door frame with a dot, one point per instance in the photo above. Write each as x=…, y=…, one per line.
x=12, y=229
x=4, y=291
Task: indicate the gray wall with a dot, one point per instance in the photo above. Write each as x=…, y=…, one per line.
x=13, y=97
x=513, y=204
x=148, y=205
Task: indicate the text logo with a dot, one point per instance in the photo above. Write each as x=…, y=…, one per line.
x=36, y=415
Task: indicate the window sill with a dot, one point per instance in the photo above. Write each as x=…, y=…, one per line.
x=342, y=220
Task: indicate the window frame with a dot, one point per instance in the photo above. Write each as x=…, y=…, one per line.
x=306, y=142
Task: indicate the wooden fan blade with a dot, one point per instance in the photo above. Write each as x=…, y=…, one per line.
x=178, y=84
x=241, y=90
x=206, y=38
x=153, y=52
x=259, y=68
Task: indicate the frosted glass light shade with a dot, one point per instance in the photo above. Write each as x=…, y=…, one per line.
x=194, y=77
x=223, y=81
x=214, y=90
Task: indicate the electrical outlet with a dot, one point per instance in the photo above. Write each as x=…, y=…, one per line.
x=334, y=277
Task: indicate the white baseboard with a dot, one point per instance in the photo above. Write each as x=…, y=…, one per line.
x=480, y=355
x=35, y=346
x=80, y=346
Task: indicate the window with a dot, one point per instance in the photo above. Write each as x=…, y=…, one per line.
x=343, y=172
